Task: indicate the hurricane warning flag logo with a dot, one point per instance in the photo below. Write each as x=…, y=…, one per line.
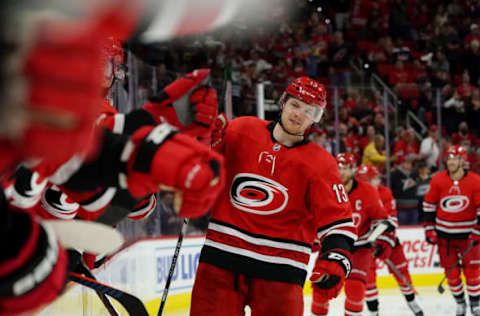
x=454, y=203
x=258, y=195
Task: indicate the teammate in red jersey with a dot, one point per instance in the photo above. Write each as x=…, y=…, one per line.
x=282, y=192
x=370, y=174
x=368, y=211
x=452, y=221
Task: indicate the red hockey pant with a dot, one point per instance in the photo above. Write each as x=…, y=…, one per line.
x=220, y=292
x=449, y=250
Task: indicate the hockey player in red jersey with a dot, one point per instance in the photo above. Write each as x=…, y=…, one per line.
x=369, y=173
x=368, y=211
x=282, y=192
x=452, y=221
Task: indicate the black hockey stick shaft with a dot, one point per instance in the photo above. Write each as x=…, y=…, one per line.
x=132, y=304
x=470, y=246
x=172, y=266
x=106, y=302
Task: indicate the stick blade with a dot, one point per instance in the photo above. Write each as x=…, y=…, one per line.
x=91, y=237
x=440, y=289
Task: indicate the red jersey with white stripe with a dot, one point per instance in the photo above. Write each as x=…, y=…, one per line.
x=453, y=207
x=277, y=200
x=389, y=203
x=367, y=209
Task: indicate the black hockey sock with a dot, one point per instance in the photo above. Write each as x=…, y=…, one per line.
x=410, y=297
x=474, y=300
x=372, y=305
x=460, y=298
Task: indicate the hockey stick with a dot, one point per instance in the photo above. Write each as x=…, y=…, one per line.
x=400, y=274
x=440, y=288
x=106, y=302
x=132, y=304
x=379, y=229
x=172, y=266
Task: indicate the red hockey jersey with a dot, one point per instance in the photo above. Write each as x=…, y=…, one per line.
x=277, y=200
x=453, y=207
x=367, y=209
x=389, y=203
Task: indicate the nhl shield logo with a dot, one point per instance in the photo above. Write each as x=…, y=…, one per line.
x=276, y=147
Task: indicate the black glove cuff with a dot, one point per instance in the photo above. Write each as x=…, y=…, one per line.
x=339, y=257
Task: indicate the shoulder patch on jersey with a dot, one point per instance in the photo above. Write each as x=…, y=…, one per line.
x=258, y=195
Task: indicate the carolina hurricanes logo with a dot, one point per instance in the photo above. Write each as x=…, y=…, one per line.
x=256, y=194
x=454, y=203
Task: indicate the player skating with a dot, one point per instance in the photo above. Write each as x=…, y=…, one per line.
x=397, y=258
x=368, y=212
x=282, y=192
x=452, y=221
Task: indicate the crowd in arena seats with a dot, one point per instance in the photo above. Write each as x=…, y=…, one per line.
x=418, y=47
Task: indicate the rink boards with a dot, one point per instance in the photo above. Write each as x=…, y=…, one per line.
x=142, y=269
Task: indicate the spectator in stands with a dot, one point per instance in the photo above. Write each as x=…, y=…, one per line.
x=297, y=63
x=440, y=61
x=400, y=24
x=320, y=43
x=363, y=111
x=475, y=166
x=367, y=135
x=463, y=135
x=472, y=109
x=260, y=63
x=449, y=40
x=373, y=154
x=446, y=143
x=320, y=137
x=422, y=179
x=407, y=146
x=404, y=188
x=339, y=56
x=454, y=112
x=473, y=35
x=379, y=123
x=465, y=88
x=341, y=8
x=169, y=220
x=472, y=61
x=429, y=149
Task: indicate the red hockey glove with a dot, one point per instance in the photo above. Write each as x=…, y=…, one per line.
x=206, y=105
x=33, y=264
x=198, y=104
x=431, y=236
x=330, y=271
x=162, y=157
x=383, y=249
x=218, y=132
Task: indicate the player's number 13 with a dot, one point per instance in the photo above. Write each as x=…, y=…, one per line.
x=341, y=193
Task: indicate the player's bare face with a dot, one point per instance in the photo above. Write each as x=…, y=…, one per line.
x=454, y=164
x=346, y=172
x=294, y=119
x=375, y=182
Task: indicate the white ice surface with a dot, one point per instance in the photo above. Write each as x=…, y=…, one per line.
x=392, y=303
